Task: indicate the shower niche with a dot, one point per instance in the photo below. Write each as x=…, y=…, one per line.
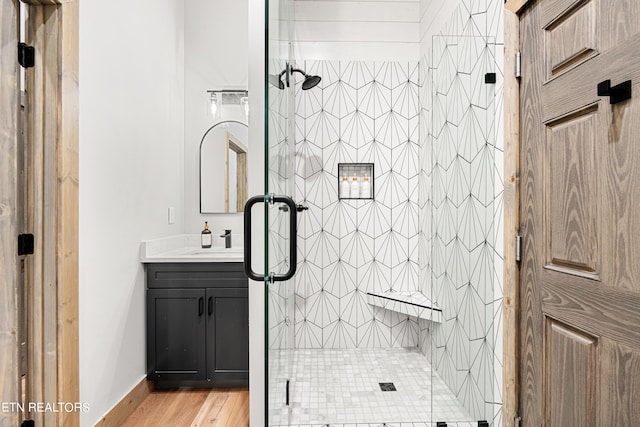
x=355, y=181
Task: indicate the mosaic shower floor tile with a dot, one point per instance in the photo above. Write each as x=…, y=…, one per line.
x=341, y=388
x=465, y=424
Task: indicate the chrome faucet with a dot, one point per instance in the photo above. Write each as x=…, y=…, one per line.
x=227, y=238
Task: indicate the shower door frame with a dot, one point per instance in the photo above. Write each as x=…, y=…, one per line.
x=51, y=200
x=511, y=202
x=10, y=224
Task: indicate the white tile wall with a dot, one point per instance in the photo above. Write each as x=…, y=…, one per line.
x=361, y=112
x=461, y=217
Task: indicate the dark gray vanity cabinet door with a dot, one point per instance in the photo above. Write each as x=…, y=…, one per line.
x=176, y=334
x=228, y=336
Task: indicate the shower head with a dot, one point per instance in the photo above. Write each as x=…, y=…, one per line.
x=309, y=80
x=308, y=83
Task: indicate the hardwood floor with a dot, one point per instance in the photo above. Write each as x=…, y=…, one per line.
x=193, y=408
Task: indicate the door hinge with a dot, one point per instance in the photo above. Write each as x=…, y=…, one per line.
x=518, y=70
x=26, y=244
x=518, y=248
x=26, y=55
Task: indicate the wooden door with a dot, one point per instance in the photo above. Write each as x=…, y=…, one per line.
x=9, y=196
x=580, y=215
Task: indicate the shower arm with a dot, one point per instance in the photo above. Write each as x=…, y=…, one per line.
x=291, y=71
x=297, y=70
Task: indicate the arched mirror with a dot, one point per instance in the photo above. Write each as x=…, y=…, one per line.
x=223, y=168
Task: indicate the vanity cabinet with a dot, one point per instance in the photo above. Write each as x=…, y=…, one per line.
x=197, y=325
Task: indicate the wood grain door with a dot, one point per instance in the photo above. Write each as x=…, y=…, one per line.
x=580, y=205
x=9, y=216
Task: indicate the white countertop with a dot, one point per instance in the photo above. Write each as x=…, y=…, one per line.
x=186, y=248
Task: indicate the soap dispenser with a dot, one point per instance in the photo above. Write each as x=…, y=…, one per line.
x=205, y=237
x=355, y=188
x=365, y=188
x=345, y=190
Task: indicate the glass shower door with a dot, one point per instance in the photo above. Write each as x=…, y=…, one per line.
x=464, y=347
x=280, y=222
x=280, y=213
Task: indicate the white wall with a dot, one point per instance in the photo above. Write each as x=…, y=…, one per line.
x=131, y=171
x=386, y=30
x=215, y=57
x=435, y=15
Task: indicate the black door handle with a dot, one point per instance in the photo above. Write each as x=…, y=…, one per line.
x=200, y=306
x=618, y=93
x=247, y=238
x=293, y=237
x=210, y=306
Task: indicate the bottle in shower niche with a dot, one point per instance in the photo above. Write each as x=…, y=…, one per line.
x=365, y=188
x=345, y=189
x=206, y=237
x=355, y=188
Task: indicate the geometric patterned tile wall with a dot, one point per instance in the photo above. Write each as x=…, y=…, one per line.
x=462, y=198
x=361, y=112
x=280, y=181
x=436, y=222
x=461, y=217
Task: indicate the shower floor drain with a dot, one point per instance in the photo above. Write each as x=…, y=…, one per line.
x=387, y=387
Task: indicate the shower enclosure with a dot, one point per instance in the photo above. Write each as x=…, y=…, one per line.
x=381, y=309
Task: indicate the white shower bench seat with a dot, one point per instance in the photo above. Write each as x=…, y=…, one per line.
x=411, y=303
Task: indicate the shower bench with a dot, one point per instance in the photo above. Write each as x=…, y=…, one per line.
x=411, y=303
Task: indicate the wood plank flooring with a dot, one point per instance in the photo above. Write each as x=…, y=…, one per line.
x=193, y=408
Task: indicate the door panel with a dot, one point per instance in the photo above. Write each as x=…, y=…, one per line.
x=570, y=357
x=580, y=275
x=570, y=38
x=618, y=402
x=619, y=136
x=177, y=341
x=572, y=193
x=228, y=332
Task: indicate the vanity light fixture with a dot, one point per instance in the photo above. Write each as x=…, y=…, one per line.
x=213, y=104
x=245, y=103
x=220, y=100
